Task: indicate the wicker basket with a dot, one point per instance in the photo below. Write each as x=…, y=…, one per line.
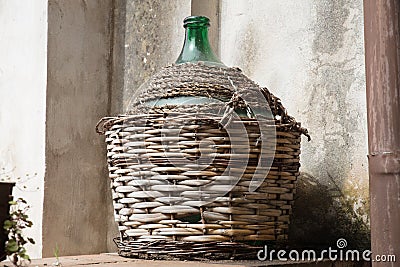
x=180, y=178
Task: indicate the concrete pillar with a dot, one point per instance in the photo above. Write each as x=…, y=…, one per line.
x=76, y=196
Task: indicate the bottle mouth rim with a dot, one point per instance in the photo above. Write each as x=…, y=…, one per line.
x=196, y=21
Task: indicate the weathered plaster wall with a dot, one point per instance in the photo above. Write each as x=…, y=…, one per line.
x=76, y=198
x=154, y=36
x=23, y=60
x=311, y=54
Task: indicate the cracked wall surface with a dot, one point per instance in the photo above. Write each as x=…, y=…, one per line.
x=311, y=54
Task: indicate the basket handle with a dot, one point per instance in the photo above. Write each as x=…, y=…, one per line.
x=104, y=124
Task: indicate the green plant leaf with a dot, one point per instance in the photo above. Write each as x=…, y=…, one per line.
x=19, y=220
x=8, y=224
x=12, y=246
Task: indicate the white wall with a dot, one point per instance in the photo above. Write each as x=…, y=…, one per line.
x=23, y=57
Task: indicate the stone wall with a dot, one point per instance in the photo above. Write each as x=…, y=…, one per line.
x=311, y=55
x=152, y=37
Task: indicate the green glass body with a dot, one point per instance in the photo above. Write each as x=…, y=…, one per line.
x=197, y=46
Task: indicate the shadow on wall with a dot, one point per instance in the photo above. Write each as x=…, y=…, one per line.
x=321, y=215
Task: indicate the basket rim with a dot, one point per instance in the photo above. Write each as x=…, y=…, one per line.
x=105, y=123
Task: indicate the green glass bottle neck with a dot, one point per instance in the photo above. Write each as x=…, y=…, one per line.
x=197, y=46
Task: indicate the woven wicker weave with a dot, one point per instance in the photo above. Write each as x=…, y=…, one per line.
x=168, y=199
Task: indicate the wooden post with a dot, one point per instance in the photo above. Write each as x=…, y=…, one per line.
x=382, y=52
